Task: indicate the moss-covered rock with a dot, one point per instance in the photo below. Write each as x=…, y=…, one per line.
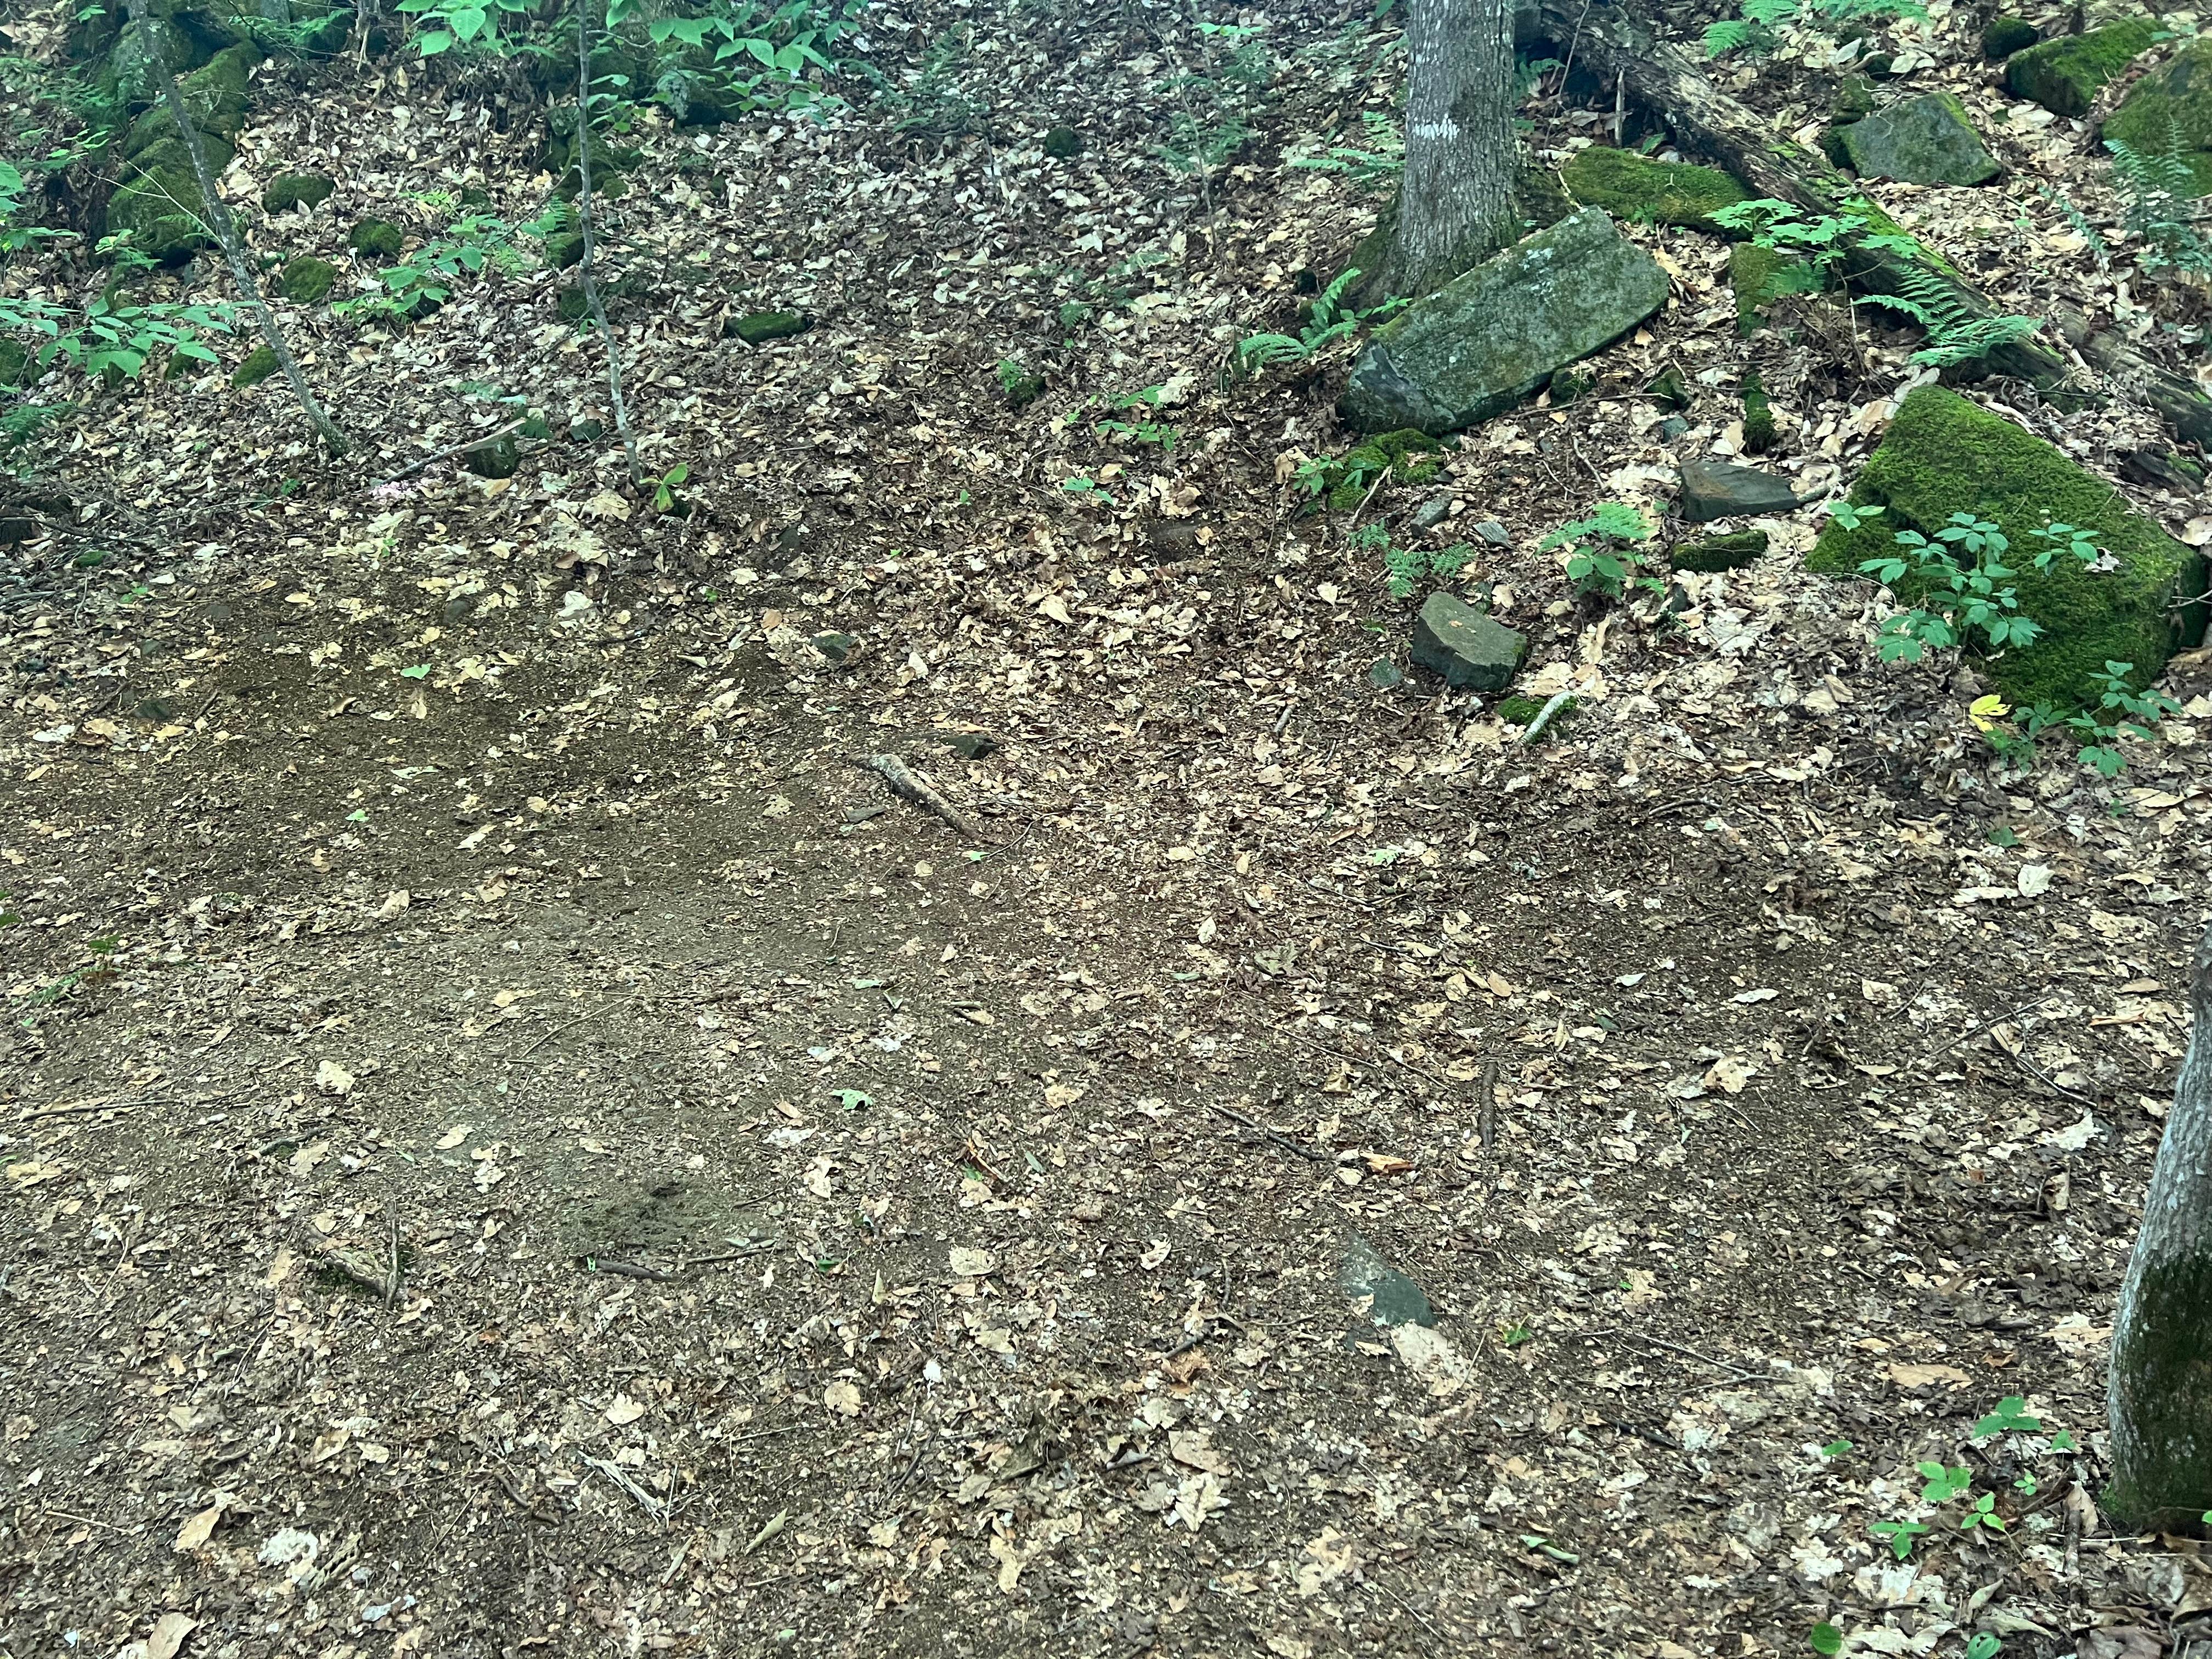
x=2003, y=36
x=158, y=205
x=260, y=363
x=140, y=53
x=307, y=281
x=1757, y=414
x=1644, y=192
x=1063, y=143
x=2065, y=75
x=1729, y=552
x=15, y=363
x=498, y=459
x=215, y=94
x=2173, y=105
x=1944, y=454
x=1759, y=275
x=564, y=249
x=378, y=239
x=1408, y=455
x=1926, y=140
x=288, y=191
x=572, y=304
x=759, y=327
x=1486, y=340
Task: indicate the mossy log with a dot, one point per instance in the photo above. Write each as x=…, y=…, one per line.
x=2160, y=1391
x=1673, y=85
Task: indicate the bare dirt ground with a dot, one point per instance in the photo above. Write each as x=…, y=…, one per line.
x=508, y=1149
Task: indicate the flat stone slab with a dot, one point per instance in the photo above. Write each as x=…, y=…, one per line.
x=1720, y=490
x=1473, y=652
x=1926, y=140
x=1486, y=340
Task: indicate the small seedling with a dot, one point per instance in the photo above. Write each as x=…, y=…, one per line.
x=1515, y=1333
x=2011, y=1417
x=1982, y=1516
x=1406, y=568
x=1901, y=1535
x=1604, y=559
x=852, y=1099
x=1835, y=1449
x=1944, y=1482
x=664, y=487
x=1825, y=1638
x=1985, y=1646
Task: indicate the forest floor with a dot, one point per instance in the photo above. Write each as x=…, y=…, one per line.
x=514, y=1143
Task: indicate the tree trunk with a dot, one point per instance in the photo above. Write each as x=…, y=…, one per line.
x=1668, y=82
x=2160, y=1401
x=1455, y=206
x=233, y=247
x=587, y=271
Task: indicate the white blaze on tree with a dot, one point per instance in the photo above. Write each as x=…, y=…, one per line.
x=1455, y=203
x=2162, y=1382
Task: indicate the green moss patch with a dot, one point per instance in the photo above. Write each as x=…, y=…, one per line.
x=307, y=280
x=762, y=326
x=260, y=363
x=1942, y=455
x=2004, y=36
x=2173, y=105
x=158, y=202
x=289, y=190
x=1407, y=455
x=1759, y=275
x=377, y=237
x=1644, y=192
x=1729, y=552
x=2064, y=75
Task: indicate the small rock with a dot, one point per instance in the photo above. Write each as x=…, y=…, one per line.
x=377, y=237
x=759, y=327
x=260, y=363
x=1926, y=140
x=1668, y=389
x=290, y=189
x=307, y=280
x=588, y=430
x=156, y=708
x=498, y=459
x=2003, y=36
x=1393, y=1298
x=1063, y=143
x=1384, y=675
x=1730, y=552
x=969, y=745
x=1178, y=536
x=1672, y=427
x=1494, y=533
x=1432, y=512
x=838, y=646
x=460, y=607
x=1720, y=490
x=2165, y=469
x=1473, y=652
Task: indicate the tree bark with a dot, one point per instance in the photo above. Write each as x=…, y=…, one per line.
x=2161, y=1396
x=1455, y=205
x=226, y=235
x=587, y=272
x=1669, y=83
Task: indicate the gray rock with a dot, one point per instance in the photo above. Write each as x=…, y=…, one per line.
x=838, y=646
x=140, y=53
x=1384, y=675
x=1672, y=427
x=1494, y=533
x=1432, y=512
x=1720, y=490
x=1926, y=140
x=1472, y=651
x=1392, y=1298
x=1486, y=340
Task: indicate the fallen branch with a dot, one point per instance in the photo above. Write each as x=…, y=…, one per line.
x=909, y=788
x=1669, y=83
x=385, y=1286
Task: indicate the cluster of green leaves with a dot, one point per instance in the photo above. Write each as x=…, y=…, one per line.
x=1110, y=425
x=426, y=278
x=2121, y=711
x=934, y=107
x=108, y=337
x=2158, y=197
x=14, y=234
x=1408, y=456
x=1604, y=559
x=1965, y=575
x=1375, y=168
x=1405, y=569
x=1758, y=29
x=1823, y=241
x=442, y=25
x=1956, y=333
x=1326, y=320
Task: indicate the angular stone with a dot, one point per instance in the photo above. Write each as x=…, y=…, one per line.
x=1062, y=143
x=2172, y=104
x=1384, y=675
x=1944, y=454
x=141, y=54
x=290, y=189
x=1473, y=652
x=2065, y=75
x=1642, y=192
x=1926, y=140
x=1721, y=490
x=762, y=326
x=1729, y=552
x=2003, y=36
x=1486, y=340
x=1393, y=1299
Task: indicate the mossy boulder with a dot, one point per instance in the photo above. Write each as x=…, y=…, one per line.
x=307, y=281
x=260, y=363
x=15, y=363
x=142, y=51
x=1408, y=455
x=572, y=304
x=1729, y=552
x=1486, y=340
x=759, y=327
x=2064, y=75
x=158, y=204
x=1063, y=143
x=1644, y=192
x=2172, y=104
x=288, y=191
x=1540, y=201
x=1926, y=140
x=215, y=94
x=1759, y=275
x=2003, y=36
x=1944, y=454
x=378, y=239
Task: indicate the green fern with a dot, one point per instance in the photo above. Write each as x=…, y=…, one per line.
x=2158, y=192
x=1955, y=333
x=1376, y=167
x=1329, y=319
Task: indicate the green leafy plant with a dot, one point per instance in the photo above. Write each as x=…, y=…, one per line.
x=108, y=339
x=426, y=278
x=1984, y=1646
x=1825, y=1638
x=1943, y=1481
x=1326, y=320
x=1956, y=333
x=1374, y=168
x=1900, y=1535
x=2121, y=712
x=665, y=499
x=1407, y=569
x=1965, y=574
x=1515, y=1333
x=1604, y=559
x=2082, y=544
x=1138, y=431
x=1981, y=1515
x=2010, y=1417
x=1758, y=29
x=442, y=25
x=2158, y=200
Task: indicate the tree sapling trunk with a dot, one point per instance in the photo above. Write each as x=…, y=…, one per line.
x=1455, y=202
x=225, y=229
x=2161, y=1399
x=587, y=274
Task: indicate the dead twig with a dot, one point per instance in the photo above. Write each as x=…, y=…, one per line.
x=1282, y=1140
x=447, y=454
x=600, y=1264
x=383, y=1285
x=732, y=1256
x=1987, y=1026
x=911, y=789
x=1486, y=1097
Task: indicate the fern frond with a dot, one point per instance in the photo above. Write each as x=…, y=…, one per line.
x=1725, y=37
